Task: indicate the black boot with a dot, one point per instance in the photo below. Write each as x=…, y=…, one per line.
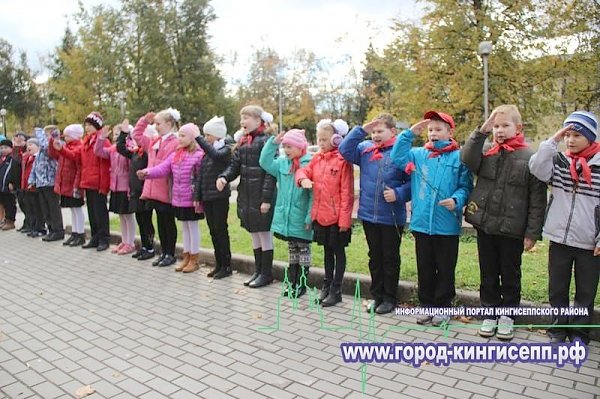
x=92, y=243
x=266, y=274
x=78, y=240
x=292, y=277
x=217, y=267
x=301, y=283
x=224, y=271
x=257, y=266
x=146, y=254
x=70, y=239
x=325, y=290
x=334, y=296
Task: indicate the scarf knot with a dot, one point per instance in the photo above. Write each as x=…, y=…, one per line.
x=583, y=157
x=510, y=145
x=376, y=149
x=436, y=152
x=248, y=138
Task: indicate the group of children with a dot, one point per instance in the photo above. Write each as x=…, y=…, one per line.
x=300, y=198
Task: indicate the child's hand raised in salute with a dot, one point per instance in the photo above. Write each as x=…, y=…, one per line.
x=419, y=127
x=560, y=135
x=488, y=126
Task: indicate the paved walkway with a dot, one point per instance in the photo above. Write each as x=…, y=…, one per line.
x=71, y=317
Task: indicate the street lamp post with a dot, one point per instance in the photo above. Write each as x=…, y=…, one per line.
x=485, y=49
x=51, y=106
x=3, y=115
x=122, y=96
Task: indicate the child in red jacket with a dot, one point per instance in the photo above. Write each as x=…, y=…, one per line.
x=95, y=179
x=68, y=177
x=332, y=180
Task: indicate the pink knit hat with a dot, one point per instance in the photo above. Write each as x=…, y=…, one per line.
x=296, y=138
x=74, y=131
x=190, y=130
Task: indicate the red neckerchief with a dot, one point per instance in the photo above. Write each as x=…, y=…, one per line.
x=583, y=157
x=509, y=145
x=296, y=162
x=90, y=140
x=156, y=140
x=375, y=148
x=247, y=138
x=436, y=152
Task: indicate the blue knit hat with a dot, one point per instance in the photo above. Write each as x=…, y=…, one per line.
x=585, y=123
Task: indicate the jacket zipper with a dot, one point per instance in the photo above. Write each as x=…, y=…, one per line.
x=376, y=194
x=571, y=213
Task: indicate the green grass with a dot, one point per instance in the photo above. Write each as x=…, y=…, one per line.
x=534, y=282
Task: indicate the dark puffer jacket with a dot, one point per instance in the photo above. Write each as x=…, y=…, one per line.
x=256, y=186
x=507, y=199
x=139, y=160
x=214, y=163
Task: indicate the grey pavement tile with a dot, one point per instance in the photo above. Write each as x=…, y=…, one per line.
x=17, y=390
x=212, y=393
x=541, y=394
x=48, y=390
x=162, y=386
x=133, y=387
x=190, y=384
x=57, y=377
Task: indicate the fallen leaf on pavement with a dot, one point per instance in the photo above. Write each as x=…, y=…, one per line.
x=84, y=391
x=257, y=316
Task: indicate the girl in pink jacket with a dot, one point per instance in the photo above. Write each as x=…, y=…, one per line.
x=119, y=190
x=183, y=165
x=157, y=192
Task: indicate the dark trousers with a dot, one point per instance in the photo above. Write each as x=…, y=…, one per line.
x=436, y=263
x=384, y=260
x=216, y=212
x=561, y=259
x=499, y=269
x=50, y=206
x=335, y=265
x=97, y=215
x=33, y=212
x=144, y=221
x=167, y=230
x=10, y=205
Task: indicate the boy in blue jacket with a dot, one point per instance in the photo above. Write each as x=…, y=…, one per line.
x=384, y=191
x=440, y=188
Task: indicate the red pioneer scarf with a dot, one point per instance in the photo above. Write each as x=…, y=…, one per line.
x=376, y=148
x=509, y=145
x=583, y=157
x=247, y=138
x=436, y=152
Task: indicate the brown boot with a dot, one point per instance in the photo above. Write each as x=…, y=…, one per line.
x=192, y=266
x=8, y=225
x=184, y=262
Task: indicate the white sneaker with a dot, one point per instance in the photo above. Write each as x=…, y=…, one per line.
x=505, y=328
x=488, y=328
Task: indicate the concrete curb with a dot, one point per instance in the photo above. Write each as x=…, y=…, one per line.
x=407, y=291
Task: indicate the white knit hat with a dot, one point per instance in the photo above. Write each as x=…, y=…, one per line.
x=216, y=127
x=74, y=131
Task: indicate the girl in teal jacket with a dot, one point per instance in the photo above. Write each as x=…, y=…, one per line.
x=291, y=220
